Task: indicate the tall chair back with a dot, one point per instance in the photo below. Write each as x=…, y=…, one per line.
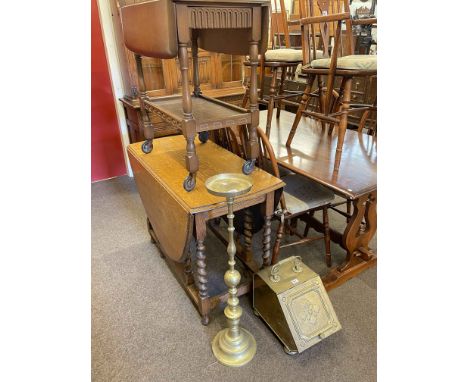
x=267, y=159
x=318, y=31
x=323, y=25
x=279, y=25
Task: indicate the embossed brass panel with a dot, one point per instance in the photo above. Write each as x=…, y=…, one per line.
x=292, y=300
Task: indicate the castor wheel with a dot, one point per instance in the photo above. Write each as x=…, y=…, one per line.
x=203, y=136
x=205, y=320
x=248, y=166
x=189, y=183
x=289, y=352
x=147, y=146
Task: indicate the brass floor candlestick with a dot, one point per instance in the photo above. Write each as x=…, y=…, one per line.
x=233, y=346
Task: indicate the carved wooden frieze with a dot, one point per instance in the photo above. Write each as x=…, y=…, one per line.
x=164, y=116
x=216, y=18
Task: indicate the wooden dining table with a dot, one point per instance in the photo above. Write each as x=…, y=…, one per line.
x=353, y=176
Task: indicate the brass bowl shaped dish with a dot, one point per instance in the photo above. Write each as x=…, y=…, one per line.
x=228, y=184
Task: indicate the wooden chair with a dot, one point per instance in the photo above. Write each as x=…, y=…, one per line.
x=334, y=106
x=278, y=59
x=300, y=199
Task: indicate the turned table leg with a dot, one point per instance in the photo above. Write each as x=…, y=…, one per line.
x=148, y=130
x=196, y=76
x=269, y=207
x=202, y=276
x=252, y=144
x=188, y=124
x=248, y=227
x=203, y=135
x=267, y=241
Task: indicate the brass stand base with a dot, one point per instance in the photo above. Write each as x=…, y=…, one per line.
x=232, y=352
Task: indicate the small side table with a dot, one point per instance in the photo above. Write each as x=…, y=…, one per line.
x=176, y=217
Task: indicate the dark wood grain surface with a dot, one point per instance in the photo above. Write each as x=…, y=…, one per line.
x=312, y=154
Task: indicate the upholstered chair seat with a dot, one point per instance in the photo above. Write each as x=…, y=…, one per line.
x=284, y=55
x=288, y=55
x=353, y=62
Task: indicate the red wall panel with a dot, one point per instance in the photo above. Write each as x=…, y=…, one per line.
x=107, y=158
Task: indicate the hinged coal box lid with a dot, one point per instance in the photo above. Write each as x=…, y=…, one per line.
x=293, y=302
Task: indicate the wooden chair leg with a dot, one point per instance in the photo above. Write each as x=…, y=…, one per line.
x=271, y=100
x=261, y=80
x=363, y=120
x=293, y=226
x=336, y=104
x=279, y=236
x=248, y=225
x=343, y=121
x=287, y=227
x=280, y=91
x=371, y=128
x=310, y=215
x=306, y=229
x=302, y=106
x=326, y=237
x=321, y=99
x=348, y=209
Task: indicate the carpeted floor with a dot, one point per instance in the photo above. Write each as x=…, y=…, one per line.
x=144, y=327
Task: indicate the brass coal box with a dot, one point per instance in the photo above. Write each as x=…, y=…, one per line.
x=292, y=300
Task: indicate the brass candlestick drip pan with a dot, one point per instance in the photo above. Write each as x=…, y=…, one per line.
x=233, y=346
x=228, y=185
